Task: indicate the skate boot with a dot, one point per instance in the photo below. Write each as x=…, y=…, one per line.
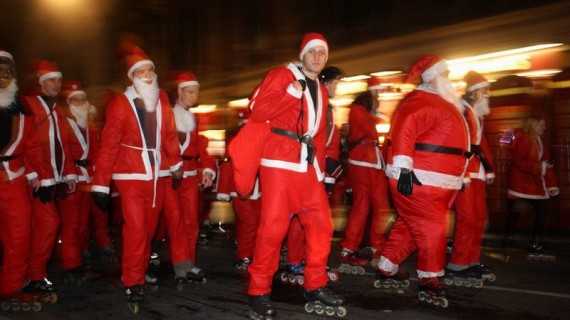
x=43, y=287
x=351, y=262
x=24, y=301
x=151, y=281
x=484, y=271
x=325, y=301
x=79, y=275
x=375, y=258
x=109, y=254
x=196, y=275
x=468, y=277
x=243, y=264
x=135, y=298
x=432, y=291
x=333, y=274
x=536, y=252
x=181, y=283
x=401, y=279
x=154, y=259
x=293, y=274
x=261, y=308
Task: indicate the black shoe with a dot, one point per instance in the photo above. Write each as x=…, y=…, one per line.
x=262, y=305
x=135, y=293
x=326, y=296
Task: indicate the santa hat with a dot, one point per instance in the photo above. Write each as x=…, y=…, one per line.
x=135, y=59
x=374, y=84
x=475, y=80
x=5, y=54
x=311, y=40
x=427, y=67
x=184, y=79
x=71, y=89
x=47, y=70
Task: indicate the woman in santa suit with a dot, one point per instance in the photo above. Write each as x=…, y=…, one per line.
x=531, y=178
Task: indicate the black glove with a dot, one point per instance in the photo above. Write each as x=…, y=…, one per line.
x=101, y=199
x=333, y=167
x=45, y=193
x=329, y=188
x=406, y=182
x=177, y=178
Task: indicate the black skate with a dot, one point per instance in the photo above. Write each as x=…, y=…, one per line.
x=45, y=288
x=196, y=275
x=324, y=301
x=181, y=283
x=536, y=253
x=151, y=281
x=109, y=254
x=352, y=263
x=400, y=279
x=484, y=271
x=293, y=274
x=432, y=291
x=135, y=296
x=463, y=278
x=242, y=264
x=25, y=301
x=261, y=307
x=79, y=275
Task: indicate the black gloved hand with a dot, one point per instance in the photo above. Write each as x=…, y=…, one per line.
x=177, y=178
x=45, y=193
x=101, y=199
x=329, y=188
x=333, y=167
x=406, y=182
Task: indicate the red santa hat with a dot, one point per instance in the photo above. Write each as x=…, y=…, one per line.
x=184, y=79
x=475, y=80
x=47, y=70
x=311, y=40
x=6, y=54
x=427, y=67
x=374, y=84
x=71, y=89
x=135, y=59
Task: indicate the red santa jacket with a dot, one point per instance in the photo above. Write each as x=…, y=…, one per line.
x=48, y=121
x=83, y=145
x=482, y=154
x=363, y=138
x=22, y=155
x=123, y=154
x=279, y=104
x=226, y=187
x=430, y=136
x=528, y=176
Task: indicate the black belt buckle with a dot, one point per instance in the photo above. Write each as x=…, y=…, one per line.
x=308, y=140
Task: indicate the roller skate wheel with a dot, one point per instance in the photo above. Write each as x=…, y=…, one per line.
x=153, y=287
x=422, y=296
x=435, y=301
x=478, y=284
x=429, y=299
x=329, y=311
x=448, y=281
x=444, y=303
x=333, y=276
x=135, y=308
x=319, y=310
x=468, y=284
x=309, y=307
x=204, y=280
x=5, y=305
x=26, y=306
x=491, y=277
x=283, y=277
x=301, y=281
x=406, y=284
x=354, y=270
x=37, y=306
x=180, y=287
x=361, y=271
x=15, y=306
x=377, y=284
x=341, y=311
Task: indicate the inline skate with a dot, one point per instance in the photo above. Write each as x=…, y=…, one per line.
x=484, y=271
x=536, y=252
x=135, y=297
x=324, y=301
x=293, y=274
x=109, y=254
x=24, y=301
x=45, y=288
x=432, y=291
x=243, y=264
x=468, y=277
x=79, y=275
x=151, y=281
x=401, y=279
x=351, y=262
x=261, y=307
x=196, y=275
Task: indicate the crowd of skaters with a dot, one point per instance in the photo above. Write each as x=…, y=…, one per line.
x=59, y=171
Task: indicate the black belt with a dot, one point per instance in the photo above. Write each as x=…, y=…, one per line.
x=355, y=143
x=82, y=163
x=8, y=158
x=308, y=140
x=187, y=158
x=442, y=149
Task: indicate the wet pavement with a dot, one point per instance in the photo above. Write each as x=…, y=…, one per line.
x=524, y=290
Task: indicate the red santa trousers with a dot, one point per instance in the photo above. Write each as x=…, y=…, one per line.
x=421, y=225
x=369, y=190
x=74, y=226
x=16, y=217
x=470, y=219
x=188, y=193
x=100, y=227
x=140, y=221
x=295, y=242
x=247, y=213
x=285, y=192
x=45, y=227
x=174, y=221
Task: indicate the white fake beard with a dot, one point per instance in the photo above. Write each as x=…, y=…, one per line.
x=8, y=95
x=481, y=107
x=148, y=92
x=185, y=120
x=81, y=114
x=447, y=92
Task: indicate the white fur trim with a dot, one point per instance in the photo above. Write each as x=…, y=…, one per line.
x=429, y=178
x=527, y=196
x=387, y=265
x=330, y=180
x=434, y=71
x=136, y=66
x=96, y=188
x=311, y=44
x=6, y=54
x=223, y=196
x=188, y=83
x=405, y=162
x=294, y=92
x=478, y=86
x=75, y=93
x=426, y=274
x=50, y=75
x=190, y=173
x=210, y=171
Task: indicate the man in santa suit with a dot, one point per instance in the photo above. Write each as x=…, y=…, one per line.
x=75, y=208
x=49, y=119
x=470, y=203
x=139, y=133
x=292, y=101
x=426, y=161
x=184, y=235
x=20, y=163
